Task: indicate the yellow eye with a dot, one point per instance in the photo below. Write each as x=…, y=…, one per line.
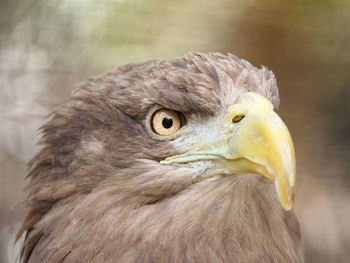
x=166, y=122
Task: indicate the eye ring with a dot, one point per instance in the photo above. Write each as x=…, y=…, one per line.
x=164, y=122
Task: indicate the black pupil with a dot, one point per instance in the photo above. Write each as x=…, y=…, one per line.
x=167, y=122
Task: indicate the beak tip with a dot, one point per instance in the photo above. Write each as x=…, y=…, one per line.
x=285, y=195
x=288, y=204
x=288, y=207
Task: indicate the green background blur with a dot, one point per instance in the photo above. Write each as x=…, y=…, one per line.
x=47, y=45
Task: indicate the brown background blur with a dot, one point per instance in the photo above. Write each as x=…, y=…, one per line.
x=47, y=46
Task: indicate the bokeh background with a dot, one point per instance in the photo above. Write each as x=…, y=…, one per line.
x=47, y=46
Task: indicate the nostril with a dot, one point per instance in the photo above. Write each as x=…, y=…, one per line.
x=237, y=118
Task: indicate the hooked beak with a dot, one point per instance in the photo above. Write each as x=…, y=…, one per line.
x=253, y=138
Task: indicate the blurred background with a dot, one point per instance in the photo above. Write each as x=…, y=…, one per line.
x=47, y=46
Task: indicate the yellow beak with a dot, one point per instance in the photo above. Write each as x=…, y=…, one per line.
x=252, y=138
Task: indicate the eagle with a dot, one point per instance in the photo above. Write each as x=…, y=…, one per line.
x=182, y=160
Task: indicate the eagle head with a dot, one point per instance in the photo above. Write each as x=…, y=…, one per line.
x=166, y=161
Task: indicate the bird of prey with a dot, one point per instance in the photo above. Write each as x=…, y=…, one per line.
x=182, y=160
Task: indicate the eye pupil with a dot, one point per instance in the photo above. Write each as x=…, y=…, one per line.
x=167, y=122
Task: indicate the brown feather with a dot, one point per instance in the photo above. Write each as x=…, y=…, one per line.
x=97, y=192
